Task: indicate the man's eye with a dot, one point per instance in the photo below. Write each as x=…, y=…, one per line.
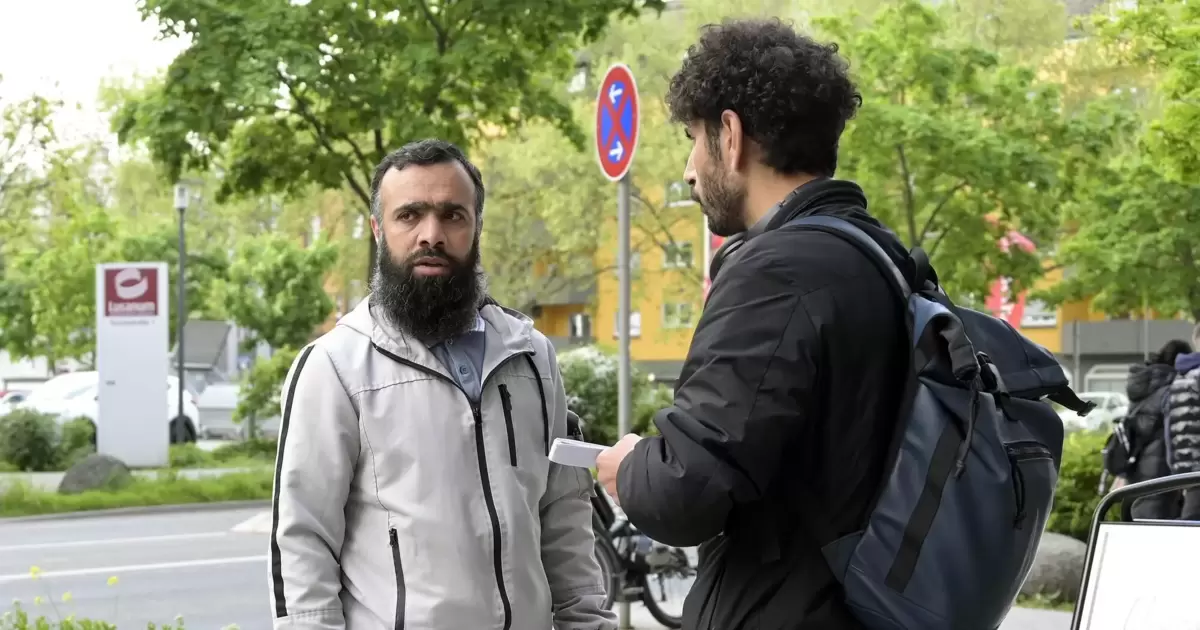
x=407, y=216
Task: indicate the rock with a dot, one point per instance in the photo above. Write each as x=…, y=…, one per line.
x=95, y=472
x=1057, y=568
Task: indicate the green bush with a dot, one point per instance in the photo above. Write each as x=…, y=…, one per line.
x=590, y=378
x=1078, y=493
x=255, y=449
x=29, y=441
x=78, y=441
x=188, y=456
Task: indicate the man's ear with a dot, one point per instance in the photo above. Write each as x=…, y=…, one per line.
x=733, y=139
x=376, y=230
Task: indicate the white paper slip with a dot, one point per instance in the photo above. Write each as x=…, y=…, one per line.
x=575, y=453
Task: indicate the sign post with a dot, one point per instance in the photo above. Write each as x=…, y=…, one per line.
x=617, y=127
x=131, y=361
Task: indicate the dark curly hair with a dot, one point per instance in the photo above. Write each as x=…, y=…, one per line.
x=792, y=94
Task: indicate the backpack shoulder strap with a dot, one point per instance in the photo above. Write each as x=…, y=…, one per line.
x=861, y=240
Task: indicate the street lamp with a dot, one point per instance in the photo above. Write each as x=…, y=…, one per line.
x=181, y=203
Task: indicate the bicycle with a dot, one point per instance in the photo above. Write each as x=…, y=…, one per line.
x=633, y=564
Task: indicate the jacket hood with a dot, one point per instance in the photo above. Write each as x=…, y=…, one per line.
x=1146, y=379
x=508, y=331
x=1185, y=363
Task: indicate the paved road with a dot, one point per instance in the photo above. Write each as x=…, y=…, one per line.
x=209, y=567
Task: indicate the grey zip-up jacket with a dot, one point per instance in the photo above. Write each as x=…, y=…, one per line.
x=400, y=504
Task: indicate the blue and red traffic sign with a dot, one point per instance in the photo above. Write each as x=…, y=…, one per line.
x=617, y=115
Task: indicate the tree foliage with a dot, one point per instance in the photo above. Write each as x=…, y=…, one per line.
x=288, y=94
x=1161, y=37
x=275, y=288
x=1132, y=237
x=954, y=148
x=552, y=214
x=26, y=132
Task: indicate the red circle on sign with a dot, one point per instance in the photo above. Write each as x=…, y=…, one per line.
x=617, y=121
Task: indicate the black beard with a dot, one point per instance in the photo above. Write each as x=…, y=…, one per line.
x=430, y=308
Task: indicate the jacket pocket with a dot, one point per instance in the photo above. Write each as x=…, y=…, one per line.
x=394, y=540
x=506, y=403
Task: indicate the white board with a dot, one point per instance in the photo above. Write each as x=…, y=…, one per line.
x=1144, y=577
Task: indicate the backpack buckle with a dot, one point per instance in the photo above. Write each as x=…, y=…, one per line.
x=990, y=374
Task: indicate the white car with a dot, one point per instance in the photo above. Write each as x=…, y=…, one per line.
x=74, y=395
x=1110, y=408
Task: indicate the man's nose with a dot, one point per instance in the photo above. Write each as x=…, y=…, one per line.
x=431, y=233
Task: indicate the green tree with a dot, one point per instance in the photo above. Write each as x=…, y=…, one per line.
x=290, y=94
x=275, y=288
x=1161, y=36
x=1132, y=235
x=954, y=148
x=551, y=217
x=26, y=134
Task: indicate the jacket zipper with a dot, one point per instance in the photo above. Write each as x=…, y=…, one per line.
x=480, y=449
x=1017, y=453
x=506, y=403
x=394, y=540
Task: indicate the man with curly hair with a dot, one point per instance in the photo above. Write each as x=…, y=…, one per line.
x=776, y=441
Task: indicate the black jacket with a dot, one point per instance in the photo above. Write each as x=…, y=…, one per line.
x=782, y=418
x=1147, y=388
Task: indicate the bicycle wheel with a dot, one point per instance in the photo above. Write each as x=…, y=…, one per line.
x=678, y=575
x=606, y=557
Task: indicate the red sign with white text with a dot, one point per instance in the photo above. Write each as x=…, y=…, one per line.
x=130, y=292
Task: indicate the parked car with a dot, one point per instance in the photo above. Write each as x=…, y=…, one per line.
x=75, y=395
x=217, y=404
x=1110, y=407
x=10, y=398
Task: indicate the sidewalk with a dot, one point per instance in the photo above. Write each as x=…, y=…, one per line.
x=49, y=481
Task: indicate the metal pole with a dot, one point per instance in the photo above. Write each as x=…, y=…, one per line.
x=181, y=312
x=1076, y=333
x=1145, y=328
x=624, y=402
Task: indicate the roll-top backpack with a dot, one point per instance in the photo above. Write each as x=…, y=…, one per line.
x=974, y=462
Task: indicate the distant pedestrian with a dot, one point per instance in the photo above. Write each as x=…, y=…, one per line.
x=1183, y=423
x=1148, y=387
x=412, y=487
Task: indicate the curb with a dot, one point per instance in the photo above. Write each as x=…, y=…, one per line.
x=142, y=510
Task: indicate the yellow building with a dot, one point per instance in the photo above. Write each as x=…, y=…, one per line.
x=667, y=267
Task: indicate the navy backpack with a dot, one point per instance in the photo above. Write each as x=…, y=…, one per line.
x=974, y=463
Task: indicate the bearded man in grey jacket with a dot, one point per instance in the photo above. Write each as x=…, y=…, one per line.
x=412, y=485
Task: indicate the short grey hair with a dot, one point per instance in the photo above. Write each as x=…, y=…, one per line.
x=424, y=153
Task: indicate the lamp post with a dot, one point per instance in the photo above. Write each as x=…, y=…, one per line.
x=181, y=203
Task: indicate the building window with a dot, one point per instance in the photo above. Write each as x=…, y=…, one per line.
x=635, y=324
x=677, y=255
x=580, y=326
x=679, y=194
x=1038, y=315
x=677, y=315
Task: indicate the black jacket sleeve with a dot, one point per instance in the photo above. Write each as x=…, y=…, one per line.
x=748, y=375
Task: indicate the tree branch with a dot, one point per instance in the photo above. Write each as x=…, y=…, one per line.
x=933, y=215
x=442, y=38
x=320, y=134
x=909, y=205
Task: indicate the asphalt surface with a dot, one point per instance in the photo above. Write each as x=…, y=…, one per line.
x=208, y=567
